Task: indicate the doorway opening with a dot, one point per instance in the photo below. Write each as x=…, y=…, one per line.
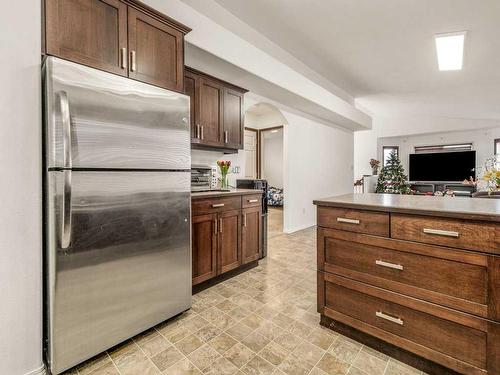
x=265, y=159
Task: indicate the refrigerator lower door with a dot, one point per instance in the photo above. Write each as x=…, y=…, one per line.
x=95, y=119
x=119, y=258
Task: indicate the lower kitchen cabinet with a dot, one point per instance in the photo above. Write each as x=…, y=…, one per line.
x=204, y=247
x=251, y=234
x=229, y=240
x=225, y=236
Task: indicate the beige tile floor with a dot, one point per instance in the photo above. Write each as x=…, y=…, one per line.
x=260, y=322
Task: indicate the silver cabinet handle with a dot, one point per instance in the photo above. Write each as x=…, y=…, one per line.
x=446, y=233
x=226, y=136
x=66, y=129
x=244, y=220
x=390, y=318
x=215, y=226
x=217, y=205
x=66, y=211
x=252, y=200
x=201, y=133
x=198, y=131
x=349, y=221
x=133, y=62
x=389, y=265
x=220, y=225
x=123, y=58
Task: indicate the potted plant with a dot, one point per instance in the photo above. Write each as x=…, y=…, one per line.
x=491, y=174
x=375, y=164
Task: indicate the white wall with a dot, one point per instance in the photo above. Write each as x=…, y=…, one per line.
x=272, y=158
x=365, y=142
x=318, y=164
x=20, y=190
x=481, y=139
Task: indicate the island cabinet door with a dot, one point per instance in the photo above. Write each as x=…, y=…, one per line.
x=90, y=32
x=229, y=240
x=204, y=247
x=251, y=234
x=156, y=52
x=210, y=113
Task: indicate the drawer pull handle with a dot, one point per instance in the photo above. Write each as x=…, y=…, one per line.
x=252, y=200
x=389, y=265
x=348, y=221
x=446, y=233
x=390, y=318
x=217, y=205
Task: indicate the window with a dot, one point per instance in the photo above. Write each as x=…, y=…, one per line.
x=443, y=148
x=387, y=150
x=497, y=146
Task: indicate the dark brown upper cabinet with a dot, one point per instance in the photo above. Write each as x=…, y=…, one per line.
x=156, y=51
x=233, y=126
x=217, y=112
x=123, y=37
x=209, y=121
x=192, y=90
x=90, y=32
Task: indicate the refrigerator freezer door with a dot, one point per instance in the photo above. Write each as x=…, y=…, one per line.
x=114, y=122
x=122, y=266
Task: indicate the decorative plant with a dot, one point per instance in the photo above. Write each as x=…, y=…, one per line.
x=392, y=178
x=375, y=164
x=491, y=173
x=224, y=170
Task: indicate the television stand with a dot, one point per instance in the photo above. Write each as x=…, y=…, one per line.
x=425, y=188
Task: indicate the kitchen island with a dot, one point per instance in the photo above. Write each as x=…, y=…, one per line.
x=415, y=277
x=226, y=234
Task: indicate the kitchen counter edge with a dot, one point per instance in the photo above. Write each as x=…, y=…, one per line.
x=215, y=194
x=459, y=207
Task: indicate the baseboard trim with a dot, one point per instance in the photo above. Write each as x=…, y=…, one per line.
x=39, y=371
x=290, y=231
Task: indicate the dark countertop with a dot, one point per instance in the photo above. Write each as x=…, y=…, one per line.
x=215, y=194
x=458, y=207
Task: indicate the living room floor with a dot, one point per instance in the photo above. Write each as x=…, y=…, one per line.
x=263, y=321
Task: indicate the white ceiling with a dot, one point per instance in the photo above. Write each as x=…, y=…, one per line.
x=382, y=51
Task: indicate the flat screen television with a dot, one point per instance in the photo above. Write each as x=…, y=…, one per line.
x=443, y=166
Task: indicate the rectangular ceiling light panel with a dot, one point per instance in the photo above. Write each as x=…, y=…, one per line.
x=450, y=50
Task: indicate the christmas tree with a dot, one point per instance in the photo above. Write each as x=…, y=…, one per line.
x=392, y=178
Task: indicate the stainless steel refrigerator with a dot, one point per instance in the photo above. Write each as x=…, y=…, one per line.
x=117, y=209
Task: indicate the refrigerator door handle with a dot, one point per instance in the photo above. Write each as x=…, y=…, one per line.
x=66, y=211
x=66, y=128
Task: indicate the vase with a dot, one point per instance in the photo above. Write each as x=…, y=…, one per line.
x=374, y=171
x=223, y=181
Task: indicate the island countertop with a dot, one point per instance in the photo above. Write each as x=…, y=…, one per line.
x=455, y=207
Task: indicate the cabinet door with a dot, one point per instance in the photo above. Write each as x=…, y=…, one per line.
x=90, y=32
x=229, y=240
x=233, y=119
x=204, y=247
x=192, y=88
x=156, y=52
x=210, y=113
x=251, y=234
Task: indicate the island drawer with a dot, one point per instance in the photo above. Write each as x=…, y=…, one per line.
x=458, y=279
x=458, y=341
x=253, y=200
x=471, y=235
x=361, y=221
x=209, y=205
